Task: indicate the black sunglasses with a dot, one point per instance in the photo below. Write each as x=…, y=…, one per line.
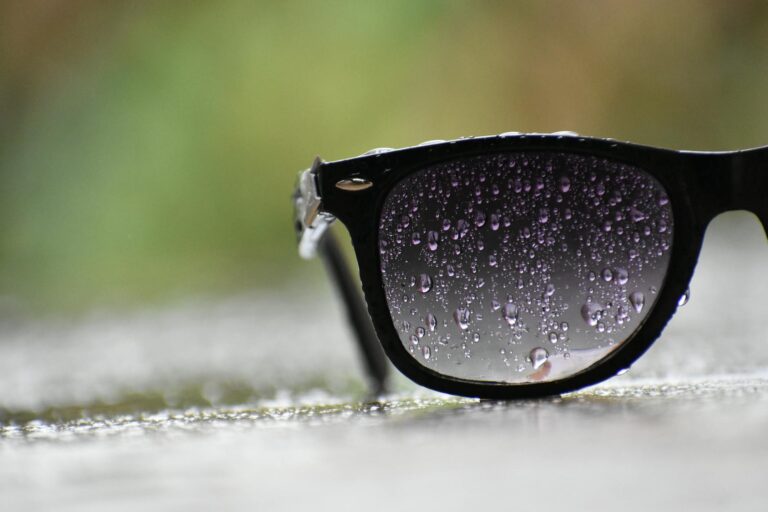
x=517, y=265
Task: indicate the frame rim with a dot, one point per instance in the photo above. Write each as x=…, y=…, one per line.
x=360, y=212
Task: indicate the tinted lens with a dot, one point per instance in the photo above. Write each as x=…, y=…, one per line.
x=522, y=267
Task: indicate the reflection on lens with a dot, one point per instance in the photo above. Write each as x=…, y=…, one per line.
x=522, y=267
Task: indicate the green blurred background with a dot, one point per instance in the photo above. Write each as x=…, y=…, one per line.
x=148, y=149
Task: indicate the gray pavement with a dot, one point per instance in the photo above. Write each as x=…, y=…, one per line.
x=254, y=402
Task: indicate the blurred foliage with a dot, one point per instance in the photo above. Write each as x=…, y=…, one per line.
x=148, y=149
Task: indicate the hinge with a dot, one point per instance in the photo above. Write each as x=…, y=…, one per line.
x=311, y=222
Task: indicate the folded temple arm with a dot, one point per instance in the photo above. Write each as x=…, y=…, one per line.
x=315, y=239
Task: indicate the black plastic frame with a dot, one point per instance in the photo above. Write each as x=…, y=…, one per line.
x=700, y=186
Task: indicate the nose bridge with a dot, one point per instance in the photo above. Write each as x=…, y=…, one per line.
x=748, y=179
x=731, y=181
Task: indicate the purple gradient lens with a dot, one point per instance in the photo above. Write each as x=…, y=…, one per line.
x=522, y=267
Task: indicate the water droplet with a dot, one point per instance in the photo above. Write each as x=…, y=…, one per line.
x=538, y=357
x=564, y=326
x=543, y=215
x=591, y=313
x=420, y=332
x=414, y=339
x=565, y=184
x=637, y=299
x=509, y=313
x=607, y=275
x=426, y=352
x=416, y=239
x=433, y=237
x=431, y=322
x=636, y=215
x=549, y=290
x=622, y=276
x=479, y=219
x=462, y=227
x=685, y=298
x=461, y=317
x=494, y=221
x=425, y=283
x=553, y=337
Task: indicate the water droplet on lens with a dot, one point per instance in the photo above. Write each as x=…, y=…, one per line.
x=636, y=215
x=553, y=337
x=431, y=322
x=538, y=357
x=479, y=219
x=461, y=317
x=543, y=215
x=550, y=290
x=416, y=239
x=622, y=276
x=509, y=313
x=432, y=239
x=426, y=352
x=462, y=227
x=425, y=283
x=565, y=184
x=591, y=313
x=637, y=299
x=607, y=275
x=420, y=332
x=494, y=222
x=685, y=298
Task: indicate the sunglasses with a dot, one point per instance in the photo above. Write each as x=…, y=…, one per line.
x=518, y=266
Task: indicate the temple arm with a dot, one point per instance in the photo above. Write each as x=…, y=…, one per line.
x=314, y=238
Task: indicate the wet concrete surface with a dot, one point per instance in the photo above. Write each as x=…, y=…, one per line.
x=256, y=402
